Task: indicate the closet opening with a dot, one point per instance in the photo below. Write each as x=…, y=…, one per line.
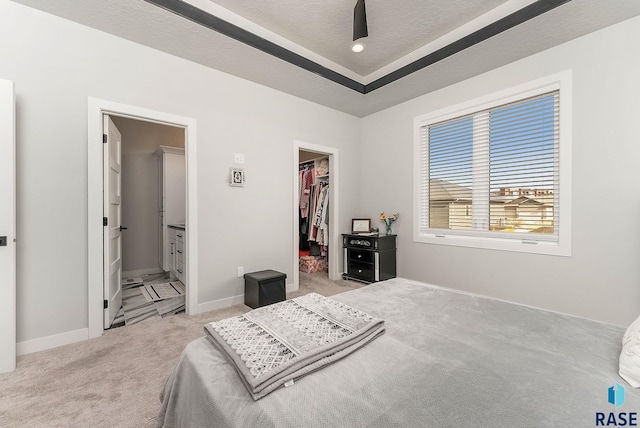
x=313, y=219
x=316, y=241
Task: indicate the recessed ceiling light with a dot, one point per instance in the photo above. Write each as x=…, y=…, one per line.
x=357, y=47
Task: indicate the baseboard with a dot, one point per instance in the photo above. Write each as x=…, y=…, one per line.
x=48, y=342
x=140, y=272
x=230, y=301
x=219, y=304
x=292, y=287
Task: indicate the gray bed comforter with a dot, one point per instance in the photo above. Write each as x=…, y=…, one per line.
x=278, y=344
x=447, y=359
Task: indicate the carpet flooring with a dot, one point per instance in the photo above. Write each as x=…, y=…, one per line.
x=114, y=380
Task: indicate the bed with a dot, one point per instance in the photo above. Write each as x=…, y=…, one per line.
x=446, y=359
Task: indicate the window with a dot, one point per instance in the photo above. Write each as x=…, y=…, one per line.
x=495, y=173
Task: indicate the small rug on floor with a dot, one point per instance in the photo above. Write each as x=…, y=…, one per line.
x=166, y=290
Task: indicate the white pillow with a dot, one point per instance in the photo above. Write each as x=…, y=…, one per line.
x=630, y=355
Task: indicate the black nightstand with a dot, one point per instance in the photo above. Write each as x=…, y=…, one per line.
x=369, y=258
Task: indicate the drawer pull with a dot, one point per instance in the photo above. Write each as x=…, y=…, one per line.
x=180, y=251
x=179, y=236
x=359, y=270
x=359, y=256
x=180, y=270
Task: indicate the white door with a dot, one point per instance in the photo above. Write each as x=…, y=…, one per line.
x=7, y=229
x=112, y=237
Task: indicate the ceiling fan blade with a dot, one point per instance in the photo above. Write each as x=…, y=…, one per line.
x=359, y=21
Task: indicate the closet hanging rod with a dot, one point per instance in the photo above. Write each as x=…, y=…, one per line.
x=318, y=158
x=306, y=165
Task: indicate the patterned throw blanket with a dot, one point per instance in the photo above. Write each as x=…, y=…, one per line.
x=276, y=345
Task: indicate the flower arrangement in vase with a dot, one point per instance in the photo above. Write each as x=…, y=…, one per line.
x=388, y=221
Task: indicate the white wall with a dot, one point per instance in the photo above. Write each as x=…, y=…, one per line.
x=140, y=190
x=56, y=66
x=601, y=279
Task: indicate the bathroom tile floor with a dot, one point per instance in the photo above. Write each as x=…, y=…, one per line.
x=135, y=307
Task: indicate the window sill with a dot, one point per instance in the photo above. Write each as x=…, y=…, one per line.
x=513, y=245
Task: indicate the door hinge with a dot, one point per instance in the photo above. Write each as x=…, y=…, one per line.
x=105, y=221
x=104, y=138
x=106, y=304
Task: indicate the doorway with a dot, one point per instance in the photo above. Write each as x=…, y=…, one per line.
x=97, y=110
x=304, y=152
x=153, y=177
x=314, y=179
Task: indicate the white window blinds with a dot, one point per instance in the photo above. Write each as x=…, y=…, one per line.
x=494, y=172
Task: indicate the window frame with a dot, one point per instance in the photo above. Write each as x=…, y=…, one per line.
x=528, y=244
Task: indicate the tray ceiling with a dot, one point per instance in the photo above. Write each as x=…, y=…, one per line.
x=319, y=32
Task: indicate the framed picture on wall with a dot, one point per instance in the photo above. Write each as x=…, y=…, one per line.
x=360, y=225
x=236, y=177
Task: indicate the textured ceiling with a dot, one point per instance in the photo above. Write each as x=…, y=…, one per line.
x=144, y=23
x=395, y=28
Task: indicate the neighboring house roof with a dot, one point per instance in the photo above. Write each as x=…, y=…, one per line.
x=442, y=190
x=525, y=200
x=501, y=199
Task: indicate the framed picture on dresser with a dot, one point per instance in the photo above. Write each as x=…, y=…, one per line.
x=360, y=225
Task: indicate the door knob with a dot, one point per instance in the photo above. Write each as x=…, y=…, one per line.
x=122, y=228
